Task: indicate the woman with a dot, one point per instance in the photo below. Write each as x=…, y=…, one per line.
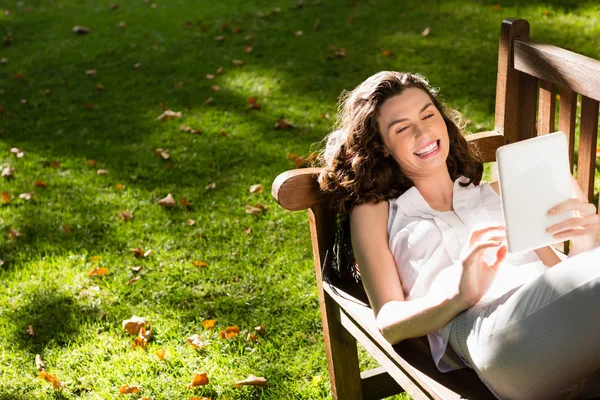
x=430, y=244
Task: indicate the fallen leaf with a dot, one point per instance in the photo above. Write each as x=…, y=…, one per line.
x=132, y=280
x=215, y=88
x=260, y=329
x=200, y=264
x=45, y=92
x=252, y=380
x=139, y=253
x=210, y=76
x=129, y=389
x=199, y=379
x=299, y=161
x=189, y=129
x=30, y=330
x=137, y=66
x=168, y=114
x=67, y=229
x=256, y=209
x=90, y=72
x=99, y=86
x=89, y=106
x=208, y=101
x=300, y=3
x=113, y=6
x=496, y=7
x=253, y=102
x=386, y=53
x=256, y=188
x=219, y=70
x=91, y=162
x=195, y=342
x=547, y=13
x=8, y=172
x=122, y=24
x=162, y=153
x=119, y=186
x=101, y=172
x=249, y=37
x=98, y=271
x=167, y=202
x=237, y=63
x=317, y=24
x=220, y=38
x=252, y=338
x=247, y=230
x=52, y=379
x=236, y=29
x=190, y=222
x=18, y=152
x=14, y=233
x=179, y=84
x=54, y=164
x=136, y=269
x=24, y=101
x=209, y=323
x=134, y=325
x=283, y=124
x=161, y=354
x=298, y=33
x=142, y=339
x=229, y=332
x=95, y=258
x=126, y=216
x=350, y=19
x=223, y=133
x=6, y=197
x=18, y=76
x=39, y=363
x=426, y=31
x=26, y=196
x=210, y=186
x=82, y=30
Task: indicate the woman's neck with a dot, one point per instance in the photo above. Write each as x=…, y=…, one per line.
x=437, y=190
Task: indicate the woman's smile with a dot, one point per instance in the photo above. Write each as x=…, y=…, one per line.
x=428, y=151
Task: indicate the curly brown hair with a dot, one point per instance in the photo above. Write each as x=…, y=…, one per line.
x=355, y=169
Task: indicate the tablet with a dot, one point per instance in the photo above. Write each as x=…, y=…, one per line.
x=534, y=175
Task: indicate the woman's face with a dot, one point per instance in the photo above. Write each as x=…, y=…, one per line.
x=414, y=133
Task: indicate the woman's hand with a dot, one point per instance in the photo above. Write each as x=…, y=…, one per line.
x=477, y=275
x=583, y=228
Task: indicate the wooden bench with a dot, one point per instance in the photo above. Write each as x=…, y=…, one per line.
x=530, y=75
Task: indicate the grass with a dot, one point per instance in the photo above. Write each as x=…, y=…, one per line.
x=259, y=266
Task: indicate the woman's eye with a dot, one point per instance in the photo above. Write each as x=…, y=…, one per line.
x=429, y=116
x=402, y=129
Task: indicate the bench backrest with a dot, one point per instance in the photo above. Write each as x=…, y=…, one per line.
x=530, y=76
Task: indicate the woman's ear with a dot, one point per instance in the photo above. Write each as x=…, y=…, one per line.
x=386, y=153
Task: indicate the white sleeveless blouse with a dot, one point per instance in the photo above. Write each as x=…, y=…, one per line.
x=427, y=244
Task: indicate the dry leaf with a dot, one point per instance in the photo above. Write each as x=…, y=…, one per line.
x=132, y=280
x=24, y=101
x=179, y=84
x=220, y=38
x=260, y=329
x=252, y=380
x=113, y=6
x=189, y=129
x=8, y=172
x=237, y=63
x=136, y=268
x=252, y=338
x=215, y=88
x=247, y=230
x=253, y=102
x=67, y=229
x=6, y=197
x=223, y=133
x=496, y=7
x=139, y=253
x=39, y=363
x=119, y=186
x=52, y=379
x=122, y=24
x=162, y=153
x=137, y=65
x=426, y=31
x=90, y=72
x=209, y=323
x=161, y=354
x=128, y=389
x=210, y=76
x=18, y=76
x=14, y=233
x=142, y=339
x=200, y=264
x=283, y=124
x=317, y=24
x=249, y=37
x=126, y=216
x=40, y=183
x=82, y=30
x=210, y=186
x=300, y=3
x=168, y=114
x=26, y=196
x=190, y=222
x=298, y=33
x=386, y=53
x=248, y=49
x=219, y=70
x=167, y=202
x=229, y=332
x=256, y=209
x=184, y=202
x=95, y=258
x=299, y=161
x=208, y=101
x=98, y=271
x=101, y=172
x=350, y=19
x=195, y=342
x=30, y=330
x=54, y=164
x=18, y=152
x=256, y=188
x=134, y=325
x=199, y=379
x=91, y=162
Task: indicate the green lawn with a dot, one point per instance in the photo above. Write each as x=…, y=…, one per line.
x=259, y=266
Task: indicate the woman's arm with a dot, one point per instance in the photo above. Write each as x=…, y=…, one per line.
x=397, y=319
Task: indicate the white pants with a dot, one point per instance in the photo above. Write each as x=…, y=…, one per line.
x=540, y=340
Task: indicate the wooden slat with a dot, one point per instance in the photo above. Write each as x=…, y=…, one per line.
x=297, y=189
x=516, y=92
x=566, y=118
x=378, y=384
x=561, y=67
x=588, y=138
x=483, y=145
x=340, y=346
x=546, y=108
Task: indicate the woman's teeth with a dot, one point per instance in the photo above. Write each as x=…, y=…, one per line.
x=432, y=147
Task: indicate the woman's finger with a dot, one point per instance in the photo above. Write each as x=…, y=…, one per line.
x=575, y=233
x=573, y=223
x=478, y=234
x=584, y=208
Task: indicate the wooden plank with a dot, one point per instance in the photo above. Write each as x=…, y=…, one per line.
x=546, y=108
x=516, y=92
x=378, y=384
x=566, y=118
x=588, y=139
x=558, y=66
x=297, y=189
x=340, y=346
x=483, y=145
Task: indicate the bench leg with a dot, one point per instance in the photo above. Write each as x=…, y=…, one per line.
x=342, y=355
